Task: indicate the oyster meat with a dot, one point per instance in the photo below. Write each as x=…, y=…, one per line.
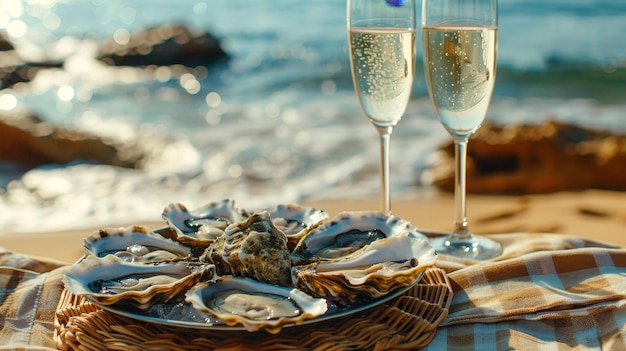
x=253, y=248
x=134, y=244
x=255, y=305
x=109, y=280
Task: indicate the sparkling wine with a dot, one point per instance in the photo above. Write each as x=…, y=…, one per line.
x=383, y=67
x=460, y=64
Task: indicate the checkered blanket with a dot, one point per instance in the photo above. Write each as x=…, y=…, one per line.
x=546, y=291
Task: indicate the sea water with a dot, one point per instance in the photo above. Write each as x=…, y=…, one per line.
x=279, y=121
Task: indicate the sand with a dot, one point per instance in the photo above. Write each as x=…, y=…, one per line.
x=594, y=214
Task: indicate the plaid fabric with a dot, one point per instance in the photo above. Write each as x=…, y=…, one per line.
x=546, y=292
x=30, y=290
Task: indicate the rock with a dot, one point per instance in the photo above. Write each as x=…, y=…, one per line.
x=168, y=44
x=13, y=69
x=550, y=157
x=5, y=44
x=28, y=142
x=23, y=72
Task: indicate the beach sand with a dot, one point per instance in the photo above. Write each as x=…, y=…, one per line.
x=594, y=214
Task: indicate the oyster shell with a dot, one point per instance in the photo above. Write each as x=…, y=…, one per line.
x=255, y=305
x=134, y=244
x=199, y=227
x=381, y=267
x=347, y=233
x=359, y=255
x=295, y=220
x=109, y=280
x=253, y=248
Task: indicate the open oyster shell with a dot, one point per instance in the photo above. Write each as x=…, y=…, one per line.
x=295, y=220
x=253, y=248
x=360, y=255
x=255, y=305
x=134, y=244
x=198, y=228
x=109, y=280
x=346, y=234
x=385, y=265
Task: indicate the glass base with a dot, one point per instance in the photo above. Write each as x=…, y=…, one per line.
x=477, y=248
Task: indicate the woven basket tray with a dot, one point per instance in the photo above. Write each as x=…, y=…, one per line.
x=407, y=322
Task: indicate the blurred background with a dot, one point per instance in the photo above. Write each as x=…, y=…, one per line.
x=273, y=117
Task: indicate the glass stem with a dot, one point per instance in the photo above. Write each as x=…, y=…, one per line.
x=385, y=198
x=461, y=231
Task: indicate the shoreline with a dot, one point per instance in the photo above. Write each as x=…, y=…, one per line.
x=594, y=214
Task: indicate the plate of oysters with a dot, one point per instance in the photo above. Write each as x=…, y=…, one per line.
x=221, y=267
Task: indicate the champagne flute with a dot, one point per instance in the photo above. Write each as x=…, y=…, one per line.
x=459, y=40
x=382, y=57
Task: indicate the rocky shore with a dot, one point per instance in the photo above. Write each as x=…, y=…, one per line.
x=168, y=44
x=28, y=140
x=515, y=159
x=532, y=159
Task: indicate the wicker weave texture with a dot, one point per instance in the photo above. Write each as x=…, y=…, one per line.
x=407, y=322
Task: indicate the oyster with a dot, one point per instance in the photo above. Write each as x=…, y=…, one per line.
x=134, y=244
x=109, y=280
x=295, y=220
x=255, y=305
x=386, y=265
x=253, y=248
x=198, y=228
x=347, y=233
x=360, y=255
